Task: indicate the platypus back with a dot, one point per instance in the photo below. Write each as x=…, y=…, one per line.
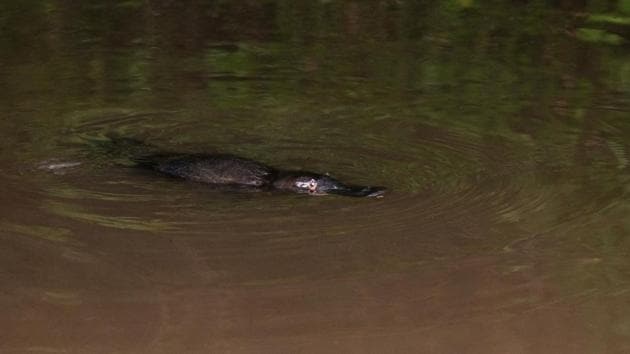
x=213, y=169
x=220, y=169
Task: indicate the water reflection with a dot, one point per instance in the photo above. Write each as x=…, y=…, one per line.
x=505, y=148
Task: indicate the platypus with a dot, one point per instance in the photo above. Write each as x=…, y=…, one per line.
x=224, y=170
x=234, y=171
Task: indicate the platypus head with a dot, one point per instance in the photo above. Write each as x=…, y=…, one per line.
x=316, y=184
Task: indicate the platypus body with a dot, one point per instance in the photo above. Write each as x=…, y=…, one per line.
x=223, y=170
x=234, y=171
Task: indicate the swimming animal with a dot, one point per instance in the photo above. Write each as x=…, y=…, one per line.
x=223, y=170
x=234, y=171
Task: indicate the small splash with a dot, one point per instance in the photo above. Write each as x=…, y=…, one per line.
x=57, y=167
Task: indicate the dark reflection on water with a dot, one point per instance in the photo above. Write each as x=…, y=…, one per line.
x=501, y=130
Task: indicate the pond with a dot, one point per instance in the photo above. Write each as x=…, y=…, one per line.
x=501, y=130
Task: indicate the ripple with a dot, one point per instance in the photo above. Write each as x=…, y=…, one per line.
x=436, y=163
x=458, y=187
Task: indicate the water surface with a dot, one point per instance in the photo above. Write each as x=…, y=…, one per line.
x=501, y=131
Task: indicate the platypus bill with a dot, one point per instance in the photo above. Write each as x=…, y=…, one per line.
x=229, y=170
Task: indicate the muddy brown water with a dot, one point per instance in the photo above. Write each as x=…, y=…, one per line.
x=505, y=228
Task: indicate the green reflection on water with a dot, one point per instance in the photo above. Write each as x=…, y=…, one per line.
x=53, y=234
x=118, y=222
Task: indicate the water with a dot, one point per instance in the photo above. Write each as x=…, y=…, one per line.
x=501, y=131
